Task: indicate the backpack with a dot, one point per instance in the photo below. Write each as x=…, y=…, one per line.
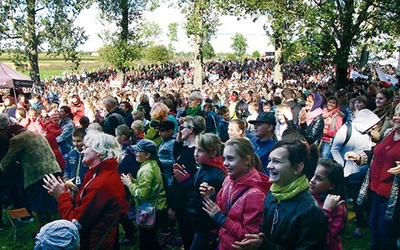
x=348, y=133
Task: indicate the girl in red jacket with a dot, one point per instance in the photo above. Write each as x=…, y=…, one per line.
x=327, y=186
x=240, y=202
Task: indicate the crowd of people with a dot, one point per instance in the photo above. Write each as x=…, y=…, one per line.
x=239, y=162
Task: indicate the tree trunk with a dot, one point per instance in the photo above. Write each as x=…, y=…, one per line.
x=32, y=45
x=341, y=77
x=198, y=62
x=341, y=61
x=278, y=76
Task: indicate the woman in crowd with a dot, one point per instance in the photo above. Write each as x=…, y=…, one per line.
x=333, y=120
x=159, y=112
x=327, y=187
x=311, y=120
x=237, y=128
x=148, y=187
x=144, y=104
x=194, y=106
x=384, y=111
x=240, y=202
x=292, y=219
x=64, y=140
x=77, y=109
x=211, y=171
x=383, y=180
x=184, y=155
x=100, y=202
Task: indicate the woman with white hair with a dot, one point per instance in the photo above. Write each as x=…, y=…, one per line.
x=194, y=105
x=100, y=201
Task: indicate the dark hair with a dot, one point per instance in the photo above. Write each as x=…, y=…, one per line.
x=313, y=156
x=67, y=110
x=223, y=110
x=387, y=93
x=335, y=176
x=334, y=98
x=79, y=132
x=84, y=121
x=297, y=150
x=128, y=106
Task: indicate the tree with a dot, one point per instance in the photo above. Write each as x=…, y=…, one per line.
x=202, y=23
x=256, y=54
x=149, y=32
x=158, y=53
x=208, y=51
x=338, y=28
x=32, y=26
x=125, y=42
x=172, y=35
x=239, y=45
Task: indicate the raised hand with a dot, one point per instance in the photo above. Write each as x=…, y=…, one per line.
x=210, y=207
x=206, y=190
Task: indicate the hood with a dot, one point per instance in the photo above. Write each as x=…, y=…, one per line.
x=117, y=110
x=252, y=179
x=217, y=162
x=364, y=120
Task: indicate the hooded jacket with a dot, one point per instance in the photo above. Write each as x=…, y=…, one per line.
x=246, y=214
x=358, y=141
x=113, y=120
x=212, y=172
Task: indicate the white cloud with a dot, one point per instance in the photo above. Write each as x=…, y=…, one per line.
x=253, y=31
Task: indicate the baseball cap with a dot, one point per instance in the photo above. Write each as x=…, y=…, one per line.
x=145, y=145
x=166, y=125
x=265, y=117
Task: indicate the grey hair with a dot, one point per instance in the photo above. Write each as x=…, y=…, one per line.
x=4, y=121
x=104, y=144
x=196, y=95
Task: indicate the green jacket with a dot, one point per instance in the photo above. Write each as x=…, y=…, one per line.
x=145, y=187
x=35, y=155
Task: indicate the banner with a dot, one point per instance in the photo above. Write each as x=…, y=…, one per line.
x=386, y=79
x=354, y=75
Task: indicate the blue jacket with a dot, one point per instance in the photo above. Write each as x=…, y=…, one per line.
x=128, y=164
x=212, y=121
x=262, y=149
x=222, y=130
x=64, y=140
x=75, y=166
x=166, y=155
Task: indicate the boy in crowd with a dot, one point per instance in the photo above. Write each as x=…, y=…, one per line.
x=222, y=130
x=75, y=170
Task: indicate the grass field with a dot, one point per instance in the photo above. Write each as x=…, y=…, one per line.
x=56, y=66
x=25, y=239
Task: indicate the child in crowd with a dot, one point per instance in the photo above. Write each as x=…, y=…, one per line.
x=327, y=186
x=75, y=170
x=222, y=130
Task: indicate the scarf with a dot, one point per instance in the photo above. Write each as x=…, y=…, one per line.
x=192, y=111
x=310, y=116
x=289, y=191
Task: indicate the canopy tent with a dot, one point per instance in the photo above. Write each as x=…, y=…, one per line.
x=10, y=78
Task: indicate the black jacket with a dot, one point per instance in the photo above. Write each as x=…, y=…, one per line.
x=113, y=120
x=313, y=132
x=299, y=223
x=201, y=221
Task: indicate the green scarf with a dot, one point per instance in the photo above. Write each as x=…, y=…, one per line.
x=192, y=111
x=291, y=190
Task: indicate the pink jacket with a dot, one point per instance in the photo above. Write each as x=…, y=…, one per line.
x=333, y=121
x=246, y=214
x=336, y=222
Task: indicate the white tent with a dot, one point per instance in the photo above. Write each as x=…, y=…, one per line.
x=10, y=78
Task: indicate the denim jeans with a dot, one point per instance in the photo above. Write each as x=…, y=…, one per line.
x=326, y=150
x=383, y=232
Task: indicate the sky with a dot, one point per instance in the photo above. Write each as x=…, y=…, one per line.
x=253, y=31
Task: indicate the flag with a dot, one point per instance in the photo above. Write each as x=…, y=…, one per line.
x=354, y=75
x=386, y=79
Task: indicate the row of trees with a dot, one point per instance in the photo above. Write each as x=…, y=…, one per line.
x=316, y=31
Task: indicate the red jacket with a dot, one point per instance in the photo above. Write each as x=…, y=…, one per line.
x=246, y=214
x=97, y=206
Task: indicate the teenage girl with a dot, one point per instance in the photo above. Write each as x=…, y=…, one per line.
x=327, y=186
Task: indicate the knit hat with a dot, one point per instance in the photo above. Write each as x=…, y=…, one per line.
x=55, y=116
x=59, y=234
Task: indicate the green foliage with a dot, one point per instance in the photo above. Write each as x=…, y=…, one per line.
x=256, y=54
x=120, y=55
x=239, y=45
x=149, y=32
x=208, y=51
x=158, y=53
x=29, y=27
